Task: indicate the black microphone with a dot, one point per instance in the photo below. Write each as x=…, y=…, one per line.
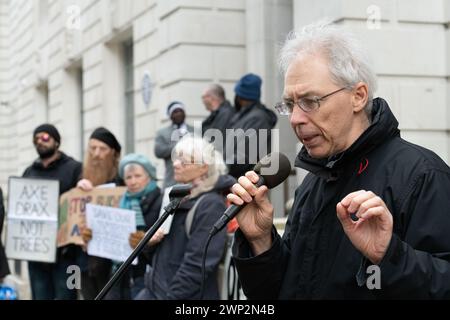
x=180, y=191
x=272, y=170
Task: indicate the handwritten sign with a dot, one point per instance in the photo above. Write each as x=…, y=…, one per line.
x=72, y=213
x=34, y=199
x=32, y=219
x=111, y=228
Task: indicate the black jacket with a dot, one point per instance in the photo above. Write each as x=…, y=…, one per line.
x=68, y=172
x=256, y=117
x=150, y=206
x=176, y=266
x=65, y=169
x=316, y=260
x=4, y=268
x=219, y=119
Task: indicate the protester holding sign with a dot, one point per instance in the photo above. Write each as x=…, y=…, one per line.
x=4, y=269
x=143, y=197
x=100, y=167
x=176, y=267
x=48, y=280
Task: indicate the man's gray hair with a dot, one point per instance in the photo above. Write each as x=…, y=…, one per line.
x=217, y=90
x=349, y=63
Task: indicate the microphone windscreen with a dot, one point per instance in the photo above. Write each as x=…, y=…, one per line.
x=274, y=168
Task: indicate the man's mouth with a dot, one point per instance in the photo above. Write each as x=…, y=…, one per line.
x=309, y=139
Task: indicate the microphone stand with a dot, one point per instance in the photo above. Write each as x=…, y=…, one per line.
x=168, y=210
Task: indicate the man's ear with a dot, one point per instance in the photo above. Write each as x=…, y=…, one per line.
x=360, y=96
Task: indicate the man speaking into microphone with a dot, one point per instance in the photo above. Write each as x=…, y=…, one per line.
x=372, y=218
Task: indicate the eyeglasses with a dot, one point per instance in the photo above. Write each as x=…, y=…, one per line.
x=306, y=104
x=45, y=137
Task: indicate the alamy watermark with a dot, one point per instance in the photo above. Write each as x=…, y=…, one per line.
x=373, y=17
x=374, y=279
x=74, y=279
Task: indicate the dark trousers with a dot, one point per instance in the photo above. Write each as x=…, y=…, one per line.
x=92, y=285
x=49, y=281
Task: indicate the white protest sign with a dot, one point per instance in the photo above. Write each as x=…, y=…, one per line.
x=111, y=228
x=34, y=199
x=168, y=223
x=31, y=240
x=32, y=219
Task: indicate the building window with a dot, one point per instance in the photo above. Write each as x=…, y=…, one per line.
x=129, y=96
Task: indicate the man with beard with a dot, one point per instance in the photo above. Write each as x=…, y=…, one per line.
x=100, y=167
x=48, y=280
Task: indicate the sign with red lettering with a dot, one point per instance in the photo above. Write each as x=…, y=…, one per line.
x=72, y=212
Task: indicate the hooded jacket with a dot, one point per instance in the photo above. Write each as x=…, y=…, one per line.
x=176, y=266
x=316, y=260
x=241, y=158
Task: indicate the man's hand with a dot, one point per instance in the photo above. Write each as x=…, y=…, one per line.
x=85, y=185
x=372, y=233
x=86, y=234
x=256, y=218
x=137, y=236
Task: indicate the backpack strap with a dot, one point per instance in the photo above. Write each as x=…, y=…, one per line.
x=190, y=216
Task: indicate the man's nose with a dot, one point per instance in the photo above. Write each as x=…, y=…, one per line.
x=176, y=163
x=298, y=116
x=96, y=153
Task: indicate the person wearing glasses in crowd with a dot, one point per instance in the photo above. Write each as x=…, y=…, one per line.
x=371, y=220
x=176, y=269
x=49, y=280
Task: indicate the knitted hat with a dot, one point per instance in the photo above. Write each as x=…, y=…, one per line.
x=249, y=87
x=139, y=159
x=175, y=105
x=50, y=129
x=107, y=137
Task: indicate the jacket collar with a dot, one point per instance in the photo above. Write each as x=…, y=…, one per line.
x=37, y=164
x=384, y=126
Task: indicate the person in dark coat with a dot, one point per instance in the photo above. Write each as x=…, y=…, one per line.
x=101, y=165
x=143, y=197
x=49, y=280
x=221, y=111
x=177, y=262
x=371, y=220
x=250, y=136
x=4, y=268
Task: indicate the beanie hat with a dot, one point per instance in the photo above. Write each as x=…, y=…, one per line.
x=249, y=87
x=139, y=159
x=107, y=137
x=50, y=129
x=174, y=106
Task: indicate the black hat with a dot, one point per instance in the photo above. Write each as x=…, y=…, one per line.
x=107, y=137
x=50, y=129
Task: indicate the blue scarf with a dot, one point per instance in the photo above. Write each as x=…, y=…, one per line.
x=132, y=201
